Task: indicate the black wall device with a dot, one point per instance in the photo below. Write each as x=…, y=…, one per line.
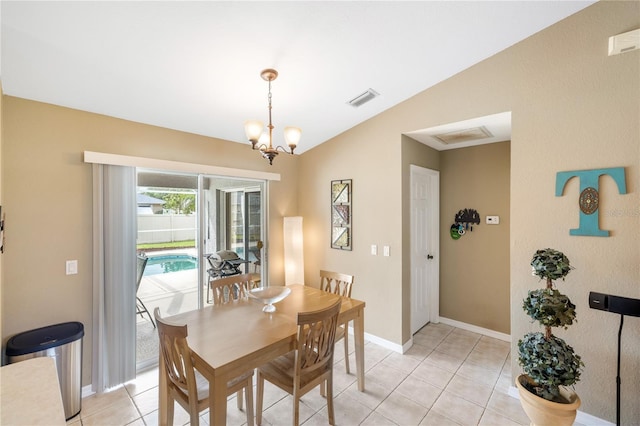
x=615, y=304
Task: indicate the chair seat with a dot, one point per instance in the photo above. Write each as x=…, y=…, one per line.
x=202, y=384
x=282, y=371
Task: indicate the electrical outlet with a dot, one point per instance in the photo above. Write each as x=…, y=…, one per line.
x=493, y=220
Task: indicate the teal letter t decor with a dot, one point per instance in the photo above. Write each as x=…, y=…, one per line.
x=589, y=196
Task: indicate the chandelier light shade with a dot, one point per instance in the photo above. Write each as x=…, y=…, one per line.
x=263, y=141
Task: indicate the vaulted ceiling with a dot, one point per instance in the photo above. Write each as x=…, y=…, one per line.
x=195, y=66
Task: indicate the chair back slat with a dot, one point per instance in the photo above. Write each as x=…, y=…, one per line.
x=337, y=283
x=316, y=338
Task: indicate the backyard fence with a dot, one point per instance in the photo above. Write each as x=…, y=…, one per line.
x=165, y=228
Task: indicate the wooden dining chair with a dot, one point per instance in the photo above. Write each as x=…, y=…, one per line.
x=231, y=288
x=185, y=384
x=337, y=283
x=308, y=366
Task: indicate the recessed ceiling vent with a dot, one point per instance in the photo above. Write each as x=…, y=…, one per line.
x=467, y=135
x=363, y=98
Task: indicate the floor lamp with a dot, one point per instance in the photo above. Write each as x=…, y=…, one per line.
x=293, y=251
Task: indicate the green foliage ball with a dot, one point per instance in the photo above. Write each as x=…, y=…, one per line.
x=550, y=308
x=550, y=263
x=550, y=363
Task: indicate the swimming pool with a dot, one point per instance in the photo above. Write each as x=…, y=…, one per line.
x=169, y=263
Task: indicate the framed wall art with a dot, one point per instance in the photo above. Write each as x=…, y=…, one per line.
x=341, y=210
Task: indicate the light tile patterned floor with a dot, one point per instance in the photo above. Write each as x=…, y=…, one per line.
x=449, y=377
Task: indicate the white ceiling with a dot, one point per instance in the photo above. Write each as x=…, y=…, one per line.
x=195, y=66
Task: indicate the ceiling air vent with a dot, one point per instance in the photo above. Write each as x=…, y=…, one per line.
x=363, y=98
x=625, y=42
x=467, y=135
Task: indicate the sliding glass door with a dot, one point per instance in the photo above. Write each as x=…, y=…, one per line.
x=167, y=253
x=233, y=228
x=192, y=228
x=244, y=229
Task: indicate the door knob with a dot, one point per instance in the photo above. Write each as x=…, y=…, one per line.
x=429, y=256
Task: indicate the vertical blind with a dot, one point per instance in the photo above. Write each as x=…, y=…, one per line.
x=114, y=276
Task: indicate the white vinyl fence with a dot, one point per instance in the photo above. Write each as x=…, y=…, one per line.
x=164, y=228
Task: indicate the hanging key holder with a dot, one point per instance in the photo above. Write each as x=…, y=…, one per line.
x=464, y=221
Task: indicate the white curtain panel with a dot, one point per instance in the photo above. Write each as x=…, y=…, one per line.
x=114, y=275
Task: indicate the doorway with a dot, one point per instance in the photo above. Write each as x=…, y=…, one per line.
x=425, y=271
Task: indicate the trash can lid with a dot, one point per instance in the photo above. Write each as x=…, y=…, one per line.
x=44, y=338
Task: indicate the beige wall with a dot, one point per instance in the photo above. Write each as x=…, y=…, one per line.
x=47, y=194
x=474, y=270
x=376, y=219
x=573, y=107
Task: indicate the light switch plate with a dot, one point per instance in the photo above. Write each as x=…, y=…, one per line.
x=72, y=267
x=386, y=250
x=374, y=249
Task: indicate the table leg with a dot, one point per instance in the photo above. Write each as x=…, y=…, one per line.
x=358, y=332
x=218, y=399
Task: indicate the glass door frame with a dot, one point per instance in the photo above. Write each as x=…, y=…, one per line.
x=263, y=187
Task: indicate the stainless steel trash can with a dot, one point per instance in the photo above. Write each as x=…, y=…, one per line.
x=63, y=342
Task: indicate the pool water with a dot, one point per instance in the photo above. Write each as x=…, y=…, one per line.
x=171, y=263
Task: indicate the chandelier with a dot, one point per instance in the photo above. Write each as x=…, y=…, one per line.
x=263, y=141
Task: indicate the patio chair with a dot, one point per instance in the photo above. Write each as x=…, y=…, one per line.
x=140, y=308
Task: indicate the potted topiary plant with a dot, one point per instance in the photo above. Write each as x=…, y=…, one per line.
x=549, y=363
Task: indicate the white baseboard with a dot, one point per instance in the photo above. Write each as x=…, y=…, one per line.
x=464, y=326
x=589, y=420
x=476, y=329
x=384, y=343
x=581, y=417
x=87, y=391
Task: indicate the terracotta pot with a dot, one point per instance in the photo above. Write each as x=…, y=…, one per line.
x=542, y=412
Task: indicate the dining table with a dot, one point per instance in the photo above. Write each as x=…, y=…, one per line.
x=230, y=339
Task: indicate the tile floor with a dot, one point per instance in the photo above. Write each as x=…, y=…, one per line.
x=449, y=377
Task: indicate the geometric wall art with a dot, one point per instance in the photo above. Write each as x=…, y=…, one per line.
x=341, y=206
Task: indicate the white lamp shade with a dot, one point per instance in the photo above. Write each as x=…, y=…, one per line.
x=253, y=129
x=293, y=251
x=292, y=136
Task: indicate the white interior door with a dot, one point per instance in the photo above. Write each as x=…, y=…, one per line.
x=425, y=272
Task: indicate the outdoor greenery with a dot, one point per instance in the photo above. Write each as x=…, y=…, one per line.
x=167, y=245
x=548, y=360
x=177, y=203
